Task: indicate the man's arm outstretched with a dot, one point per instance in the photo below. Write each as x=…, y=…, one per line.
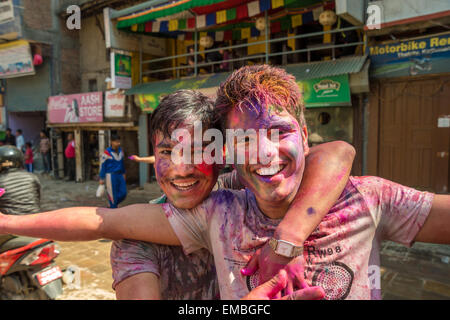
x=145, y=222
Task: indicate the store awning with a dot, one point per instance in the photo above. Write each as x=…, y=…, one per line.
x=313, y=70
x=325, y=83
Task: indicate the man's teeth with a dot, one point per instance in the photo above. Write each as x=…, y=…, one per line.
x=269, y=171
x=184, y=185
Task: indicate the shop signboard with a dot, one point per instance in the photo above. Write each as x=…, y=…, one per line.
x=114, y=104
x=6, y=11
x=76, y=108
x=16, y=60
x=330, y=91
x=120, y=70
x=411, y=57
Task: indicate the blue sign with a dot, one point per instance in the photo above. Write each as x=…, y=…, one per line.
x=410, y=57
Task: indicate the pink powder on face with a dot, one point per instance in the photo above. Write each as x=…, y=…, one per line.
x=2, y=191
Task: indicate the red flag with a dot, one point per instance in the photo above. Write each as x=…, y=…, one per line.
x=191, y=23
x=275, y=27
x=242, y=12
x=228, y=35
x=148, y=27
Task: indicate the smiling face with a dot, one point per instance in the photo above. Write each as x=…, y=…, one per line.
x=185, y=185
x=275, y=183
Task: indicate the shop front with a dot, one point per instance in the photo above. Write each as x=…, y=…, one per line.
x=409, y=113
x=91, y=118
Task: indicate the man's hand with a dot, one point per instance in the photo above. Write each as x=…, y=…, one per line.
x=274, y=286
x=269, y=264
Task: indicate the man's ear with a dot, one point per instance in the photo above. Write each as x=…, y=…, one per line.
x=305, y=140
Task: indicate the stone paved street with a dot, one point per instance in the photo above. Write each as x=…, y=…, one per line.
x=421, y=272
x=92, y=257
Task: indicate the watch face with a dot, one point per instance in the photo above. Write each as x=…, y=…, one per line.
x=284, y=249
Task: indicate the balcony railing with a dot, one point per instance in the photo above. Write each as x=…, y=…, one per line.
x=264, y=57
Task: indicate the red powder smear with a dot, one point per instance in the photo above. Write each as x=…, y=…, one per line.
x=206, y=169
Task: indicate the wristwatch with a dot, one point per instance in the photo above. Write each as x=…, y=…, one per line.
x=285, y=248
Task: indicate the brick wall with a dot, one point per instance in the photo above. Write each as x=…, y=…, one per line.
x=37, y=14
x=70, y=70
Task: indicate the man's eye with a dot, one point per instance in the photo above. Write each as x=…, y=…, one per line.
x=165, y=152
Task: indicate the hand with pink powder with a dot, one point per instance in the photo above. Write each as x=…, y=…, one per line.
x=268, y=263
x=273, y=288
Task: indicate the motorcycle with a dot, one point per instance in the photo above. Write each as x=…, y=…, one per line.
x=27, y=268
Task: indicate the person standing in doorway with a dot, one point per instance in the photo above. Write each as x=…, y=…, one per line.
x=70, y=155
x=10, y=139
x=20, y=141
x=44, y=149
x=112, y=172
x=28, y=157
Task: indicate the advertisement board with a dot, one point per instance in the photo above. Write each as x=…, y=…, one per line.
x=76, y=108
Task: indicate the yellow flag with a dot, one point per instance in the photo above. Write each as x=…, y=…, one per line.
x=134, y=27
x=297, y=20
x=221, y=16
x=277, y=3
x=173, y=25
x=245, y=33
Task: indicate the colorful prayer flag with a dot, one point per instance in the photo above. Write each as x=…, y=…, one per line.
x=134, y=27
x=148, y=27
x=296, y=20
x=173, y=25
x=242, y=12
x=155, y=26
x=277, y=3
x=210, y=19
x=316, y=12
x=221, y=16
x=201, y=21
x=231, y=14
x=220, y=36
x=182, y=24
x=264, y=5
x=253, y=8
x=245, y=33
x=191, y=23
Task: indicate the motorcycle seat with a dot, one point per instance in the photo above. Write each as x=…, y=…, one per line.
x=16, y=242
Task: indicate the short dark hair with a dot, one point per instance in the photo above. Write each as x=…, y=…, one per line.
x=19, y=131
x=28, y=144
x=115, y=137
x=8, y=129
x=181, y=106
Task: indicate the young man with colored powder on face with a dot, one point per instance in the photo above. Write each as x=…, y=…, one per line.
x=150, y=271
x=341, y=253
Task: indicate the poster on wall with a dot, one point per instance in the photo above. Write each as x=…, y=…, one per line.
x=6, y=11
x=411, y=57
x=16, y=60
x=120, y=70
x=114, y=104
x=76, y=108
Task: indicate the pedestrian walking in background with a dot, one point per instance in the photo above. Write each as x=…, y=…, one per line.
x=20, y=141
x=28, y=157
x=44, y=149
x=112, y=173
x=70, y=156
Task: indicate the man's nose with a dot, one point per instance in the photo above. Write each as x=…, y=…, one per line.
x=268, y=149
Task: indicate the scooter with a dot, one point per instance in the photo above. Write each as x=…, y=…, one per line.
x=27, y=268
